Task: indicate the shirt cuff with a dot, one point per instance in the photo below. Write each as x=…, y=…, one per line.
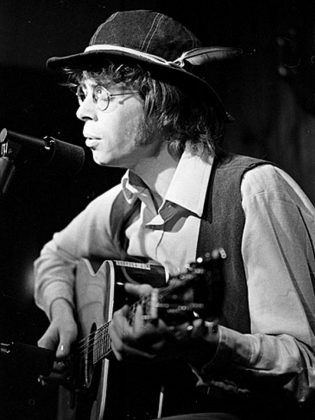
x=233, y=348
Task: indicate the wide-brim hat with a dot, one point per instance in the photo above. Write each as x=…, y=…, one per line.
x=159, y=43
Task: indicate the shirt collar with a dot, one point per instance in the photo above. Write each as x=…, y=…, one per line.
x=190, y=182
x=132, y=186
x=188, y=186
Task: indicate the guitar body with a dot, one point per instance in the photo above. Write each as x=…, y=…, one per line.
x=110, y=390
x=93, y=294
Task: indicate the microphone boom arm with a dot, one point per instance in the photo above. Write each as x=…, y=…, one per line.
x=64, y=157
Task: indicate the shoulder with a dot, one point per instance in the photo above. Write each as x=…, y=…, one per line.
x=270, y=183
x=263, y=178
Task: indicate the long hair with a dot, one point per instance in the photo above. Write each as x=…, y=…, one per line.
x=182, y=118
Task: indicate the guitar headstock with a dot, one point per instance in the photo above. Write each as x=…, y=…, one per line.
x=197, y=292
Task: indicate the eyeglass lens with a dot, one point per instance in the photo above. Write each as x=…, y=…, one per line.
x=100, y=96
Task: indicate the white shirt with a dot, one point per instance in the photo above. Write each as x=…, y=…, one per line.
x=277, y=249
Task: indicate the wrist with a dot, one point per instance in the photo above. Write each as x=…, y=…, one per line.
x=211, y=332
x=60, y=308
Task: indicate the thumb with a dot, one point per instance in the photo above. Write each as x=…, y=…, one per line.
x=63, y=350
x=66, y=339
x=48, y=341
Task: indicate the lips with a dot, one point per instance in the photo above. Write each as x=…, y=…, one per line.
x=92, y=142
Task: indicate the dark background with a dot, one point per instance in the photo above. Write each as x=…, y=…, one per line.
x=270, y=92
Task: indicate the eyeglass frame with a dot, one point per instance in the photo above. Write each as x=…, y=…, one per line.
x=96, y=99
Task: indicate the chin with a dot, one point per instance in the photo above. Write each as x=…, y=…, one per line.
x=101, y=161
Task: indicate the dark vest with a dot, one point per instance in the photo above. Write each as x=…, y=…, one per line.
x=221, y=226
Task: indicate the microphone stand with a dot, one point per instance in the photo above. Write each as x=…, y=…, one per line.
x=7, y=168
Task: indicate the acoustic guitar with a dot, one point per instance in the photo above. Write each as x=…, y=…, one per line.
x=101, y=388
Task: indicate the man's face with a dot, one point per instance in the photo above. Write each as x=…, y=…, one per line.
x=114, y=134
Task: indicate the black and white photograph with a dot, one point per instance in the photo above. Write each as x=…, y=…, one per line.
x=157, y=219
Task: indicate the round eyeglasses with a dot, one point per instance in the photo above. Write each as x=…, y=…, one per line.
x=101, y=96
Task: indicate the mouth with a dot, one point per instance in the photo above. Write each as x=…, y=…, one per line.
x=92, y=142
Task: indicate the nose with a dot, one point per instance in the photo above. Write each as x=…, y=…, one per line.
x=86, y=110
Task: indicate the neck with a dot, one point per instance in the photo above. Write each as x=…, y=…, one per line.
x=157, y=172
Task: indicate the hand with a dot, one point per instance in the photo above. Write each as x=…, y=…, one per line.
x=60, y=335
x=141, y=338
x=195, y=342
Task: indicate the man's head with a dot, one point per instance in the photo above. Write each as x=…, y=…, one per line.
x=150, y=53
x=168, y=112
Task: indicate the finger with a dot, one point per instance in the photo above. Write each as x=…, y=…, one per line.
x=151, y=335
x=120, y=322
x=66, y=339
x=138, y=321
x=122, y=347
x=118, y=329
x=116, y=341
x=124, y=351
x=129, y=340
x=144, y=327
x=138, y=290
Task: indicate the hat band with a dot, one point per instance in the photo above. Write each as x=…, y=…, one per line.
x=131, y=51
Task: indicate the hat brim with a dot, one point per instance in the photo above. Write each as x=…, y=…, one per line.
x=167, y=72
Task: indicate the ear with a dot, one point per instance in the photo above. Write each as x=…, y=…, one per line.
x=199, y=56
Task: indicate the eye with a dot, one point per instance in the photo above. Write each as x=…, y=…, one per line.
x=101, y=97
x=99, y=91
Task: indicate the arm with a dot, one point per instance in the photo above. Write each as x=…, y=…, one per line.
x=278, y=254
x=87, y=235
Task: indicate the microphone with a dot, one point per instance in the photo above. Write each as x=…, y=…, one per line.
x=63, y=157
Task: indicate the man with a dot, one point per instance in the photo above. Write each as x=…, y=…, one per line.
x=145, y=109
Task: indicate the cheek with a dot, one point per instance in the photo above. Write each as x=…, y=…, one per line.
x=132, y=128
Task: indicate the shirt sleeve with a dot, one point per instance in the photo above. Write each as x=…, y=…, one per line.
x=87, y=235
x=278, y=254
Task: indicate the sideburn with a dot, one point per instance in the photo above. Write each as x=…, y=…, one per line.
x=150, y=134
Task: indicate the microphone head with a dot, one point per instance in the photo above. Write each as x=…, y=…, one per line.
x=3, y=135
x=66, y=158
x=62, y=157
